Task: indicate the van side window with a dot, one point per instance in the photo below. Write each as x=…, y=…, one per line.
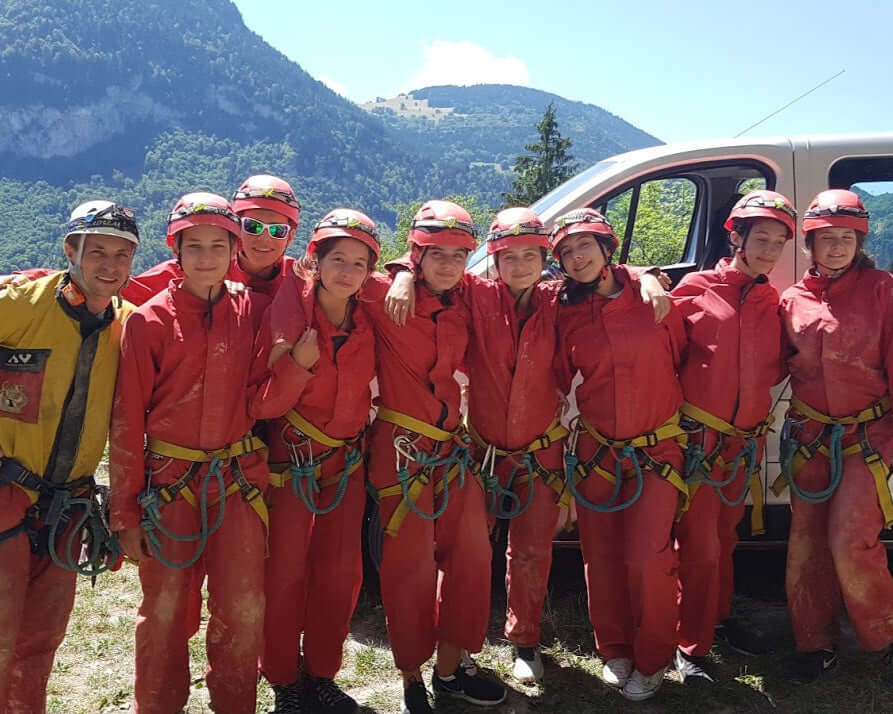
x=664, y=216
x=872, y=179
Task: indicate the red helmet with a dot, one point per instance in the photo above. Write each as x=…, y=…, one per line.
x=201, y=209
x=442, y=223
x=836, y=207
x=583, y=220
x=345, y=223
x=516, y=226
x=764, y=204
x=270, y=193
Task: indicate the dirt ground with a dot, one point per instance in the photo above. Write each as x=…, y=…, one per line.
x=94, y=666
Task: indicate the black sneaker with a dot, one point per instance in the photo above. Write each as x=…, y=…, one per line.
x=288, y=698
x=807, y=667
x=326, y=697
x=692, y=670
x=737, y=637
x=472, y=688
x=415, y=700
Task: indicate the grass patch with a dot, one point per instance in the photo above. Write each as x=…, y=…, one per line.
x=93, y=671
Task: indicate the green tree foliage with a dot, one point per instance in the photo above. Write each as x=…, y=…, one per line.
x=394, y=244
x=663, y=216
x=548, y=164
x=879, y=241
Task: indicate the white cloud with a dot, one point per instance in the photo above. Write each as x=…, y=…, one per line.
x=466, y=63
x=333, y=85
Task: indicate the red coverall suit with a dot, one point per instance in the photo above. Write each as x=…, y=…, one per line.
x=435, y=574
x=186, y=378
x=629, y=389
x=315, y=569
x=733, y=359
x=513, y=400
x=841, y=333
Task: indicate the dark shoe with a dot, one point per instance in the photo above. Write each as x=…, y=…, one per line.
x=737, y=637
x=473, y=688
x=693, y=671
x=288, y=698
x=415, y=700
x=807, y=667
x=324, y=696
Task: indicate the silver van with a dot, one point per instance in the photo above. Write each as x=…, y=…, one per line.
x=668, y=203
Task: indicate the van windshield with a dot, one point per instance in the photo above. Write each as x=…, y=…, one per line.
x=558, y=194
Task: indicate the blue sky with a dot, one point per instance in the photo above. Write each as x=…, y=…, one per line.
x=677, y=70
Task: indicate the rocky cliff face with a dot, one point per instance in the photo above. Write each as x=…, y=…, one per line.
x=36, y=130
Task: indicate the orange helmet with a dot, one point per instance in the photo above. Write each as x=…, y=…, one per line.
x=345, y=223
x=516, y=226
x=764, y=204
x=583, y=220
x=442, y=223
x=836, y=208
x=201, y=209
x=268, y=192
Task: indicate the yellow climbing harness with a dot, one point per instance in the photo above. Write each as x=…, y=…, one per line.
x=250, y=493
x=304, y=471
x=798, y=453
x=410, y=486
x=554, y=479
x=628, y=448
x=724, y=428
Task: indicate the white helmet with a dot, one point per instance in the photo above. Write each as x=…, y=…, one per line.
x=103, y=218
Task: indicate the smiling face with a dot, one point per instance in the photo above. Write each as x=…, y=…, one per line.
x=763, y=246
x=205, y=256
x=261, y=252
x=581, y=257
x=834, y=248
x=442, y=266
x=104, y=264
x=343, y=266
x=519, y=266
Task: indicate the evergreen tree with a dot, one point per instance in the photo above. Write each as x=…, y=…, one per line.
x=546, y=166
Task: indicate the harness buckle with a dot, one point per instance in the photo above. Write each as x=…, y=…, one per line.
x=651, y=439
x=251, y=494
x=220, y=454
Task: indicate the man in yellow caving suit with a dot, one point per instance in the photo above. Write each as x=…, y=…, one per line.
x=59, y=342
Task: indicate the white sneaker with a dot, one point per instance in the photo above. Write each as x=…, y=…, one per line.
x=616, y=671
x=528, y=665
x=640, y=686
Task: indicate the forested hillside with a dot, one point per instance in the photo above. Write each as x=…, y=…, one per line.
x=141, y=101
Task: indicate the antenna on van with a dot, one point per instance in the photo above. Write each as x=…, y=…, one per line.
x=793, y=101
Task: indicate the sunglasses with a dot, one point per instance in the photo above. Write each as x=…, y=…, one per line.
x=279, y=231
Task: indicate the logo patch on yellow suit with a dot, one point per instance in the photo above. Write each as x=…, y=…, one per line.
x=21, y=382
x=13, y=398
